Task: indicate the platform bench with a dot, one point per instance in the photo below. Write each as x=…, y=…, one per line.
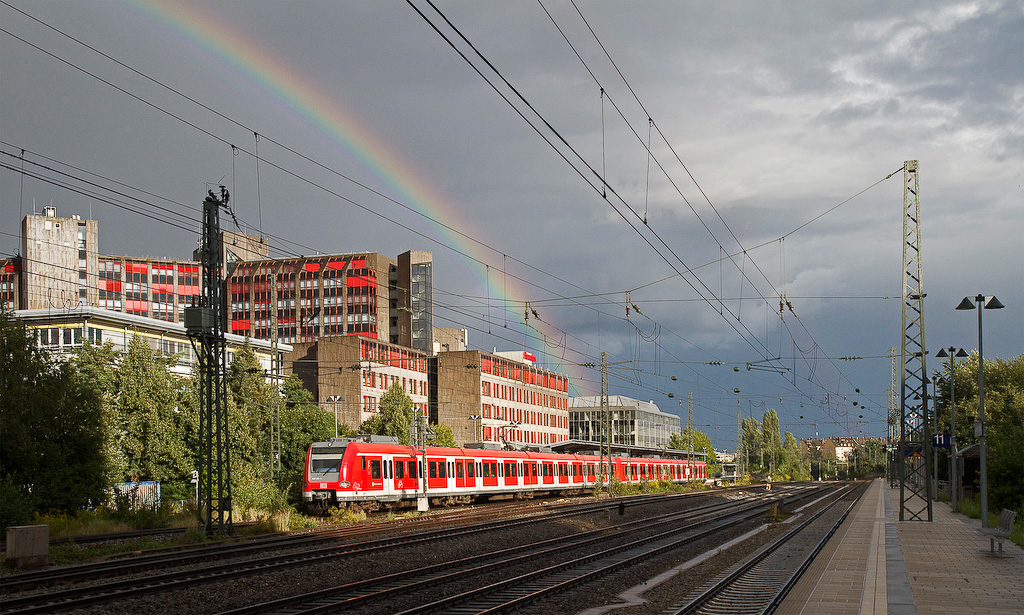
x=1006, y=519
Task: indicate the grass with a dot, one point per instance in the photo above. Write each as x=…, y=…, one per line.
x=972, y=509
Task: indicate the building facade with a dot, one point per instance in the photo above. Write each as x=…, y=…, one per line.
x=362, y=294
x=349, y=374
x=311, y=297
x=633, y=422
x=412, y=300
x=66, y=330
x=498, y=398
x=60, y=268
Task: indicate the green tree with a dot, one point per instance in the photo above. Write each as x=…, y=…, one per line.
x=302, y=423
x=250, y=412
x=751, y=443
x=1004, y=422
x=394, y=415
x=144, y=409
x=792, y=463
x=51, y=433
x=443, y=436
x=96, y=366
x=771, y=443
x=701, y=443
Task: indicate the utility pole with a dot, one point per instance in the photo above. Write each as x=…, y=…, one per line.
x=205, y=324
x=275, y=370
x=606, y=424
x=740, y=447
x=891, y=443
x=689, y=429
x=915, y=444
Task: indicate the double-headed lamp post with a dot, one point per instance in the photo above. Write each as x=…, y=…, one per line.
x=477, y=419
x=334, y=399
x=983, y=303
x=953, y=353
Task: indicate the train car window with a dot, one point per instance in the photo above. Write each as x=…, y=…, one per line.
x=364, y=464
x=432, y=465
x=440, y=470
x=412, y=469
x=458, y=470
x=375, y=468
x=451, y=469
x=470, y=466
x=400, y=469
x=487, y=470
x=479, y=468
x=501, y=470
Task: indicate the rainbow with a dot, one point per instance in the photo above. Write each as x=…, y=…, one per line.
x=298, y=92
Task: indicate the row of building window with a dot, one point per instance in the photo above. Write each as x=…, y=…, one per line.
x=506, y=392
x=522, y=415
x=374, y=380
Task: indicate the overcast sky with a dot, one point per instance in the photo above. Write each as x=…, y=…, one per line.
x=750, y=150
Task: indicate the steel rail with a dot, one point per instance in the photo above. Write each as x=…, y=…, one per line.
x=752, y=587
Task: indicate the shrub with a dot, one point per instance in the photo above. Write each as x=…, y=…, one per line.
x=15, y=508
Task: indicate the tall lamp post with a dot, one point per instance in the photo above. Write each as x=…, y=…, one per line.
x=983, y=303
x=477, y=419
x=952, y=352
x=334, y=399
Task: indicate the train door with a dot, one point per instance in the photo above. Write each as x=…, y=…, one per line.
x=437, y=473
x=460, y=473
x=470, y=473
x=489, y=477
x=511, y=473
x=529, y=472
x=373, y=473
x=405, y=475
x=548, y=469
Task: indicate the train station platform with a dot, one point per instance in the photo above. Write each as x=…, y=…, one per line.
x=878, y=565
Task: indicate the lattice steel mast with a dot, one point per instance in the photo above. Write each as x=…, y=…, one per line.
x=205, y=325
x=915, y=478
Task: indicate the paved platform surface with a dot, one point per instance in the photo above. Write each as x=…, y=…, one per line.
x=876, y=564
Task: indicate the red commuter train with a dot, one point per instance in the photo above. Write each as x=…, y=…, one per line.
x=371, y=474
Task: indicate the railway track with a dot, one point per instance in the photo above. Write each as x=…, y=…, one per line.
x=578, y=558
x=152, y=573
x=760, y=583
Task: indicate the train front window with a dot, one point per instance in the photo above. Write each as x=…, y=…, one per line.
x=323, y=467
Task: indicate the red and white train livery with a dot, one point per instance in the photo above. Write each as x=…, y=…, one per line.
x=342, y=471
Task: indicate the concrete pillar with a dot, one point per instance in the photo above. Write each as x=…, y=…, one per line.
x=28, y=546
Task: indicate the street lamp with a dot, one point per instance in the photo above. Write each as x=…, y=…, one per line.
x=478, y=420
x=334, y=399
x=983, y=303
x=952, y=352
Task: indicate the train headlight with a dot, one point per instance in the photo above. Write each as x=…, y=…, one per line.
x=343, y=484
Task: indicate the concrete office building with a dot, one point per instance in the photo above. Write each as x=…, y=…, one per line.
x=633, y=422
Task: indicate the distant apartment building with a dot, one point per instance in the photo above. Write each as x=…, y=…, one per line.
x=60, y=267
x=363, y=294
x=633, y=422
